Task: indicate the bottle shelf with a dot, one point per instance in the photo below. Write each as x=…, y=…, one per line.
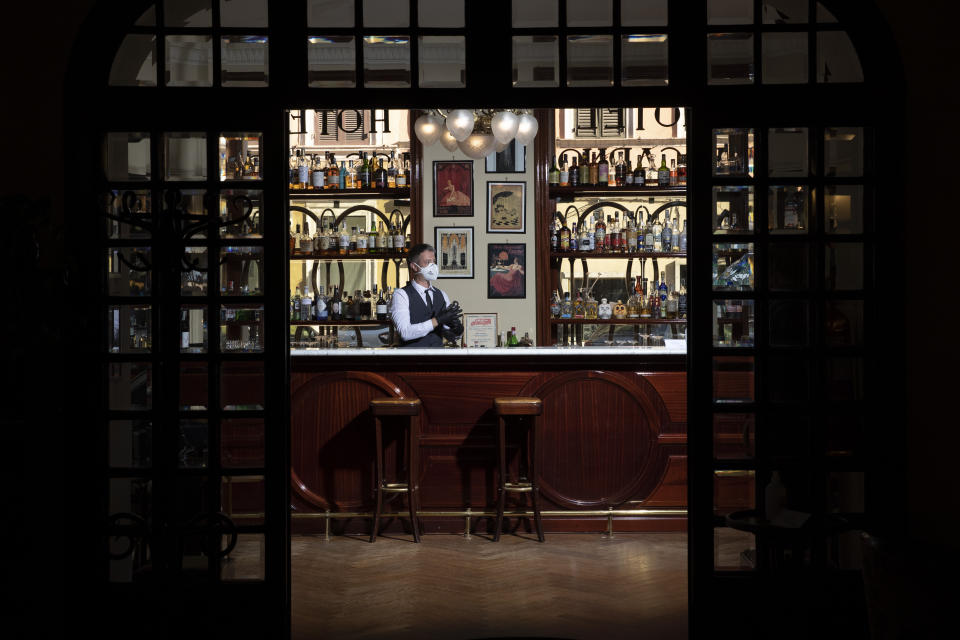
x=377, y=255
x=348, y=194
x=607, y=254
x=617, y=321
x=340, y=323
x=593, y=190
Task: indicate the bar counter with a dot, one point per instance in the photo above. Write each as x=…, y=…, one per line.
x=612, y=434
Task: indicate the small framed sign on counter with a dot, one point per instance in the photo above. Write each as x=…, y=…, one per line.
x=480, y=329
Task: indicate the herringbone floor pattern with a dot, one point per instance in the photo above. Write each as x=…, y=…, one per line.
x=574, y=586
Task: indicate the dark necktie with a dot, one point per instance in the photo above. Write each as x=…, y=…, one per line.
x=429, y=301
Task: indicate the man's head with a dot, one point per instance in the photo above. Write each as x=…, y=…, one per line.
x=419, y=257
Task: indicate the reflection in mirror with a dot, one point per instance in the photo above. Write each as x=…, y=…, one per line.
x=787, y=209
x=733, y=152
x=130, y=386
x=734, y=490
x=129, y=329
x=242, y=443
x=242, y=386
x=824, y=15
x=191, y=208
x=194, y=436
x=243, y=500
x=789, y=323
x=729, y=58
x=784, y=58
x=332, y=61
x=135, y=64
x=440, y=14
x=843, y=151
x=189, y=61
x=193, y=275
x=135, y=207
x=244, y=61
x=843, y=265
x=733, y=378
x=386, y=13
x=127, y=156
x=837, y=59
x=535, y=13
x=785, y=11
x=241, y=329
x=733, y=210
x=242, y=208
x=243, y=13
x=130, y=495
x=443, y=61
x=130, y=444
x=240, y=156
x=644, y=13
x=843, y=323
x=148, y=19
x=788, y=152
x=729, y=11
x=193, y=329
x=843, y=208
x=187, y=13
x=644, y=60
x=247, y=561
x=241, y=271
x=733, y=266
x=128, y=271
x=590, y=61
x=733, y=436
x=734, y=550
x=386, y=61
x=589, y=13
x=733, y=323
x=536, y=60
x=330, y=13
x=185, y=156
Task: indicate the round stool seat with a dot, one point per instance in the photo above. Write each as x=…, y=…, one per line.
x=395, y=406
x=517, y=406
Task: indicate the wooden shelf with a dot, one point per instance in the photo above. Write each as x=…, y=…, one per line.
x=616, y=321
x=377, y=255
x=595, y=190
x=341, y=323
x=606, y=254
x=349, y=194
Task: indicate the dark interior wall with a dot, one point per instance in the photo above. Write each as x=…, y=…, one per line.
x=35, y=53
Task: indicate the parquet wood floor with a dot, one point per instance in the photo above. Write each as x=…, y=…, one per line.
x=574, y=586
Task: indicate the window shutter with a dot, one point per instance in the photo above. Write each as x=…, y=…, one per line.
x=612, y=123
x=586, y=126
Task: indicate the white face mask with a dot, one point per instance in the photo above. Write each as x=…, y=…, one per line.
x=430, y=272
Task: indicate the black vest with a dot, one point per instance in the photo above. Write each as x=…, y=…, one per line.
x=420, y=313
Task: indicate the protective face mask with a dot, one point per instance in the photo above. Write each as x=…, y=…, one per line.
x=431, y=271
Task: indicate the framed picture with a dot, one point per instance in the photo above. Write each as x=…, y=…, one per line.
x=506, y=270
x=506, y=207
x=513, y=159
x=480, y=329
x=454, y=251
x=452, y=188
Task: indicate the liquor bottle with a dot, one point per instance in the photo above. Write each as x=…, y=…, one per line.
x=350, y=182
x=398, y=240
x=364, y=173
x=664, y=292
x=306, y=306
x=381, y=306
x=673, y=172
x=407, y=242
x=671, y=305
x=342, y=176
x=585, y=243
x=591, y=309
x=564, y=172
x=585, y=168
x=652, y=173
x=621, y=172
x=318, y=237
x=336, y=305
x=512, y=340
x=657, y=235
x=578, y=309
x=682, y=171
x=333, y=174
x=600, y=232
x=619, y=246
x=346, y=308
x=367, y=306
x=639, y=176
x=344, y=243
x=604, y=310
x=403, y=174
x=603, y=169
x=184, y=330
x=648, y=235
x=303, y=172
x=322, y=305
x=682, y=301
x=553, y=175
x=566, y=307
x=317, y=175
x=306, y=242
x=555, y=305
x=663, y=173
x=383, y=240
x=574, y=173
x=381, y=175
x=654, y=300
x=361, y=240
x=292, y=242
x=594, y=170
x=612, y=237
x=564, y=238
x=352, y=243
x=574, y=238
x=372, y=240
x=628, y=171
x=631, y=236
x=683, y=238
x=256, y=167
x=554, y=238
x=633, y=302
x=666, y=236
x=392, y=173
x=296, y=306
x=298, y=238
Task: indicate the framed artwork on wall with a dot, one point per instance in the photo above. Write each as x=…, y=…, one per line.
x=452, y=188
x=506, y=207
x=513, y=159
x=454, y=251
x=506, y=270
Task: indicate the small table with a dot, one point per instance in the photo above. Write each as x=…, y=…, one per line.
x=774, y=539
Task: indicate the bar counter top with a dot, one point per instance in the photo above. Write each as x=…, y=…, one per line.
x=678, y=349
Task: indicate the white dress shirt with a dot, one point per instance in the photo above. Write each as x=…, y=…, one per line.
x=400, y=312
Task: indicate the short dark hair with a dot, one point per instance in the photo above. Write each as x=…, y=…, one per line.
x=416, y=250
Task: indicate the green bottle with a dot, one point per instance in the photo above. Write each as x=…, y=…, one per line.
x=512, y=338
x=553, y=176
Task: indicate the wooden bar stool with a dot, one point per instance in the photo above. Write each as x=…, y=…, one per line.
x=525, y=407
x=380, y=407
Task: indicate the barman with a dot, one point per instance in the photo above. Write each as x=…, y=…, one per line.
x=423, y=314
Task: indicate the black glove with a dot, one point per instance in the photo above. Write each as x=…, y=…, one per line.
x=456, y=328
x=450, y=314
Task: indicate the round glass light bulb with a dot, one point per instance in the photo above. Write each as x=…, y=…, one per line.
x=428, y=128
x=447, y=140
x=527, y=130
x=500, y=146
x=504, y=125
x=478, y=145
x=460, y=123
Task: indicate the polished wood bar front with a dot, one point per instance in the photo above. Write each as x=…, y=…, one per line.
x=612, y=435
